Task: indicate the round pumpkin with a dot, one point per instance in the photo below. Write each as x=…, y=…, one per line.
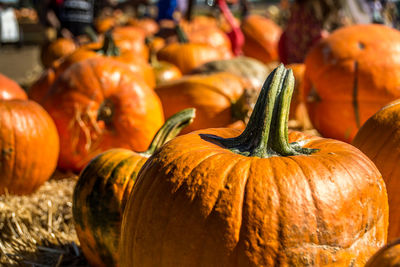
x=55, y=50
x=99, y=104
x=148, y=25
x=261, y=38
x=9, y=89
x=164, y=71
x=103, y=188
x=379, y=139
x=105, y=24
x=261, y=198
x=29, y=146
x=349, y=76
x=387, y=256
x=132, y=39
x=213, y=95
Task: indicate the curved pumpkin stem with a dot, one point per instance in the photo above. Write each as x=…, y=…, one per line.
x=89, y=31
x=266, y=134
x=182, y=37
x=171, y=128
x=109, y=47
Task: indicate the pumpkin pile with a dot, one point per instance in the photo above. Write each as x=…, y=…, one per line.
x=240, y=183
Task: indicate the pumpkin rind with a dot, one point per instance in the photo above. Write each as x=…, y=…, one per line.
x=197, y=203
x=98, y=104
x=349, y=76
x=56, y=50
x=387, y=256
x=29, y=146
x=9, y=89
x=379, y=139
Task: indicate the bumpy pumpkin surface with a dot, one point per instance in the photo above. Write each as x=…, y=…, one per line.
x=103, y=188
x=9, y=89
x=212, y=95
x=379, y=139
x=261, y=38
x=349, y=76
x=29, y=146
x=99, y=104
x=213, y=198
x=388, y=256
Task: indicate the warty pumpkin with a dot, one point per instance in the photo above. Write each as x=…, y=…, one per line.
x=379, y=139
x=9, y=89
x=99, y=104
x=103, y=188
x=387, y=256
x=349, y=76
x=265, y=197
x=29, y=146
x=261, y=37
x=213, y=95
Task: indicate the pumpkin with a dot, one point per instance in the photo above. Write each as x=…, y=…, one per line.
x=379, y=139
x=103, y=188
x=214, y=97
x=261, y=38
x=148, y=25
x=99, y=104
x=387, y=256
x=261, y=198
x=105, y=24
x=10, y=89
x=349, y=76
x=187, y=56
x=56, y=50
x=138, y=65
x=29, y=146
x=251, y=70
x=165, y=71
x=132, y=39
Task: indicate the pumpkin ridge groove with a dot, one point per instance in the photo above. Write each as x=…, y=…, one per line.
x=14, y=143
x=280, y=235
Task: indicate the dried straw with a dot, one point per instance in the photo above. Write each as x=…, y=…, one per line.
x=37, y=230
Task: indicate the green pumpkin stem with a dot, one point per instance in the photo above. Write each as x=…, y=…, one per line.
x=89, y=31
x=171, y=128
x=182, y=37
x=266, y=134
x=109, y=47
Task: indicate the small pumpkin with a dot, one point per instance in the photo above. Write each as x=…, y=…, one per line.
x=103, y=188
x=261, y=38
x=349, y=76
x=379, y=139
x=148, y=25
x=187, y=56
x=387, y=256
x=55, y=50
x=132, y=39
x=213, y=95
x=99, y=104
x=105, y=24
x=264, y=197
x=29, y=146
x=9, y=89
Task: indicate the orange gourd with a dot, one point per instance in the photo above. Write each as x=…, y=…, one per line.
x=103, y=188
x=9, y=89
x=29, y=146
x=56, y=50
x=98, y=104
x=349, y=76
x=265, y=197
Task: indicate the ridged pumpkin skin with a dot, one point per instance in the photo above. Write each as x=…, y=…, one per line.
x=131, y=39
x=99, y=200
x=213, y=198
x=261, y=38
x=56, y=50
x=349, y=76
x=187, y=56
x=388, y=256
x=29, y=144
x=103, y=188
x=212, y=95
x=164, y=72
x=9, y=89
x=379, y=139
x=98, y=104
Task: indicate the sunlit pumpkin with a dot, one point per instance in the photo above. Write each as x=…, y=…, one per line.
x=9, y=89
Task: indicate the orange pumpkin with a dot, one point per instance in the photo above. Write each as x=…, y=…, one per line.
x=29, y=146
x=387, y=256
x=105, y=24
x=261, y=38
x=261, y=198
x=379, y=139
x=103, y=188
x=349, y=76
x=132, y=39
x=98, y=104
x=10, y=89
x=55, y=50
x=148, y=25
x=212, y=95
